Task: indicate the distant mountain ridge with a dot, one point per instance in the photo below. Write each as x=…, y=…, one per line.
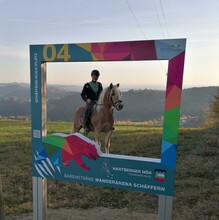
x=22, y=90
x=139, y=105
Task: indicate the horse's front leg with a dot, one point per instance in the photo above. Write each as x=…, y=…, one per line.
x=97, y=138
x=107, y=141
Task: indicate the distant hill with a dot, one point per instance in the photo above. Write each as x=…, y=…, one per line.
x=196, y=100
x=139, y=105
x=14, y=106
x=142, y=105
x=22, y=90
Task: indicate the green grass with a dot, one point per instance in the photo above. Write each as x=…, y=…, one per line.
x=197, y=176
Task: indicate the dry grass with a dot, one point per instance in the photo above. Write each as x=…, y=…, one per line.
x=196, y=185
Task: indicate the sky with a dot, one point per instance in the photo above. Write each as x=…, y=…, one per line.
x=27, y=22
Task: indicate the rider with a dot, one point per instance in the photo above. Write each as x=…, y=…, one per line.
x=90, y=94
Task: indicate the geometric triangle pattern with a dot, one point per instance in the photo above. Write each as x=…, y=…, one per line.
x=169, y=157
x=60, y=149
x=114, y=51
x=171, y=124
x=165, y=146
x=173, y=98
x=172, y=110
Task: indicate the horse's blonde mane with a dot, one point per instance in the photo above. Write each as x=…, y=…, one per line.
x=100, y=102
x=106, y=93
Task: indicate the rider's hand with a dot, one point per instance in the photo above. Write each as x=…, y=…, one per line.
x=88, y=101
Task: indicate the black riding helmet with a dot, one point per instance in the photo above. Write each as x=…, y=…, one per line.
x=95, y=72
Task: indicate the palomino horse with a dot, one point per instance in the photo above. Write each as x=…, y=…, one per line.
x=102, y=119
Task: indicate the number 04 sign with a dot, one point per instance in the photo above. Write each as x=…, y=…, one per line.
x=49, y=155
x=50, y=53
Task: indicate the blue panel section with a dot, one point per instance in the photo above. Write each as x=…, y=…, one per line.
x=79, y=54
x=167, y=49
x=40, y=158
x=56, y=158
x=56, y=162
x=168, y=158
x=165, y=146
x=43, y=153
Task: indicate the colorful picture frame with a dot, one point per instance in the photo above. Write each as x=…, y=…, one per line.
x=149, y=175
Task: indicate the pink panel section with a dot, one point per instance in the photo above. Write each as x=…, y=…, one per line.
x=175, y=72
x=116, y=51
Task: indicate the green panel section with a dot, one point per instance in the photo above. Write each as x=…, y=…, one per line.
x=53, y=144
x=169, y=135
x=171, y=125
x=51, y=150
x=54, y=141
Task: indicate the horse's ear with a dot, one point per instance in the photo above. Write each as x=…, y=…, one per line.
x=111, y=85
x=117, y=85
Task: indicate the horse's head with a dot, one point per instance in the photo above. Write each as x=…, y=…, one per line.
x=116, y=97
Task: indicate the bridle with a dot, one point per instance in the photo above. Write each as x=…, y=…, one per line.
x=116, y=104
x=113, y=104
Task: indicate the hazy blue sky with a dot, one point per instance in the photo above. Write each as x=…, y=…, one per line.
x=26, y=22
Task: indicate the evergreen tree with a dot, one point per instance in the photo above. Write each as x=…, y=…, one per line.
x=213, y=114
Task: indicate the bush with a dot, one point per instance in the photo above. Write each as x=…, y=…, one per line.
x=212, y=117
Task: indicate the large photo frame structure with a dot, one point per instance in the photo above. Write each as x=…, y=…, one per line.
x=148, y=175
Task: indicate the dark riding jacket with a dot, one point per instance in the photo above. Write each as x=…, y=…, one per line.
x=88, y=93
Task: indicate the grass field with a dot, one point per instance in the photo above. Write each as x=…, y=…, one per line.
x=197, y=176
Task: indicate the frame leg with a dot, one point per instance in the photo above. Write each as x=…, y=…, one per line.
x=165, y=207
x=39, y=198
